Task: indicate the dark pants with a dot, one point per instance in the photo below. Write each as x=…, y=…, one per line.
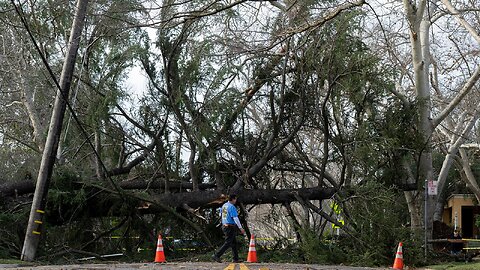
x=229, y=232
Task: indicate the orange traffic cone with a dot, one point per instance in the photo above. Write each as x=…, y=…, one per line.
x=252, y=252
x=159, y=255
x=398, y=263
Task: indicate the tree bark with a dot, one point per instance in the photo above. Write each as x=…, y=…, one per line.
x=16, y=188
x=419, y=42
x=35, y=120
x=98, y=161
x=215, y=198
x=461, y=20
x=249, y=196
x=296, y=224
x=469, y=176
x=32, y=236
x=173, y=202
x=447, y=162
x=411, y=196
x=22, y=187
x=414, y=209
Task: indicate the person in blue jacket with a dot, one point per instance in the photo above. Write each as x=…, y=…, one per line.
x=230, y=223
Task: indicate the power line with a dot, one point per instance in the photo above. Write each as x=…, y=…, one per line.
x=20, y=13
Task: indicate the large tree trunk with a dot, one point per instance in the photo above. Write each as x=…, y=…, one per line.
x=27, y=186
x=456, y=142
x=415, y=209
x=412, y=197
x=194, y=199
x=32, y=236
x=419, y=41
x=214, y=198
x=426, y=128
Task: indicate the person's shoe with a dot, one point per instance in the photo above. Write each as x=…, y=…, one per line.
x=237, y=261
x=215, y=258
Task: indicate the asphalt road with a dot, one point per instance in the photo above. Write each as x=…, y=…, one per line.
x=190, y=266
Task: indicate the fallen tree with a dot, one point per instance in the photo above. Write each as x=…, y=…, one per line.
x=207, y=197
x=214, y=198
x=27, y=186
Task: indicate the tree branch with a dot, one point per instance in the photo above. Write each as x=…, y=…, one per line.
x=463, y=92
x=461, y=20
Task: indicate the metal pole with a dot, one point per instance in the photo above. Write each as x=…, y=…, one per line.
x=426, y=218
x=455, y=221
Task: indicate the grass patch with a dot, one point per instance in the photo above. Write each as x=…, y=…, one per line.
x=10, y=261
x=455, y=266
x=13, y=261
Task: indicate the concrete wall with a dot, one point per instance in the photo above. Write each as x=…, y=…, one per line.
x=454, y=208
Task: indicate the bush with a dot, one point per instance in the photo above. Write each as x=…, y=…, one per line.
x=11, y=241
x=318, y=250
x=375, y=217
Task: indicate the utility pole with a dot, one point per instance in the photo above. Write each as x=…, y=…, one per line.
x=34, y=228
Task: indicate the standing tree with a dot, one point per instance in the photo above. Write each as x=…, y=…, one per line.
x=431, y=86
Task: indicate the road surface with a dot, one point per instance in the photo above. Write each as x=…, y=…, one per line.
x=189, y=266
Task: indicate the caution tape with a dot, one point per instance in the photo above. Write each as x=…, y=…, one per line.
x=336, y=208
x=341, y=221
x=271, y=239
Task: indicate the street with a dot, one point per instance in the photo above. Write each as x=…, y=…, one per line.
x=191, y=266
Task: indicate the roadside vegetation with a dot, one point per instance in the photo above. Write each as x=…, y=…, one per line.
x=455, y=266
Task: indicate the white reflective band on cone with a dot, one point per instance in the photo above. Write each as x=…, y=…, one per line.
x=399, y=252
x=252, y=249
x=159, y=249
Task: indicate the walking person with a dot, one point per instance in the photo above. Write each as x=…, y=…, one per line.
x=230, y=223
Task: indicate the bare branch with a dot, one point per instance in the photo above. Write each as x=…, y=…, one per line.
x=463, y=92
x=461, y=20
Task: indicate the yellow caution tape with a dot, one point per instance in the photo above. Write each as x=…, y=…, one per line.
x=336, y=208
x=35, y=232
x=271, y=239
x=40, y=211
x=120, y=237
x=341, y=221
x=38, y=221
